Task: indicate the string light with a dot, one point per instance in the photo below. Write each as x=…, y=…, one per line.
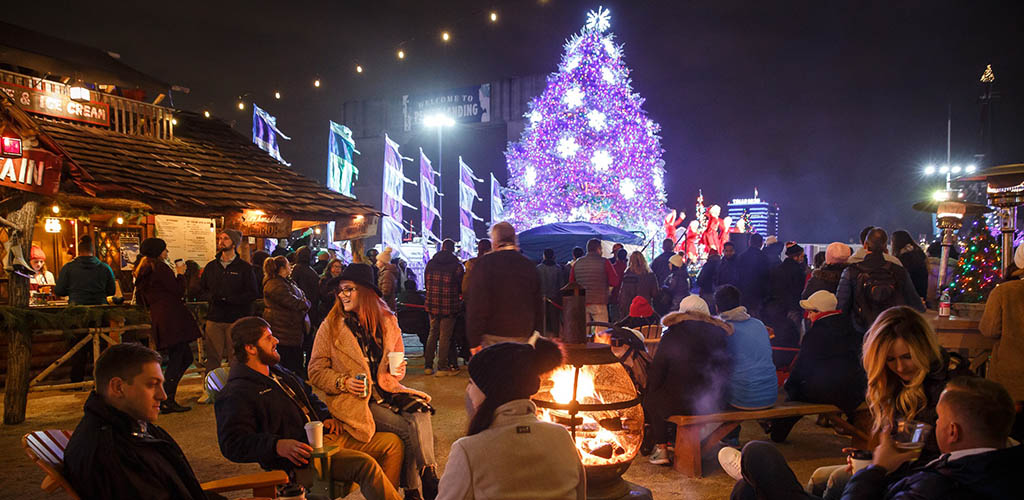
x=241, y=105
x=494, y=17
x=401, y=54
x=174, y=121
x=316, y=83
x=445, y=36
x=359, y=69
x=277, y=95
x=206, y=113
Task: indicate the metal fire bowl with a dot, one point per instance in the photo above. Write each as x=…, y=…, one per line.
x=604, y=482
x=590, y=353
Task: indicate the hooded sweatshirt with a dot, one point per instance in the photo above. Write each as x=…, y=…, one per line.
x=86, y=281
x=753, y=384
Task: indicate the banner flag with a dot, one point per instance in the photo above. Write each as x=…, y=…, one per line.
x=467, y=195
x=341, y=172
x=497, y=207
x=393, y=196
x=265, y=132
x=428, y=194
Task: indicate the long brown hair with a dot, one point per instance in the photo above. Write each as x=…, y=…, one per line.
x=638, y=264
x=369, y=311
x=272, y=267
x=887, y=394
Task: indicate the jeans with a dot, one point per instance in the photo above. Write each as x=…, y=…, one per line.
x=179, y=357
x=829, y=482
x=375, y=465
x=597, y=313
x=441, y=328
x=766, y=476
x=291, y=358
x=416, y=434
x=216, y=344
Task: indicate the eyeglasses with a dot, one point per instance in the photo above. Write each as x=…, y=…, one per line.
x=347, y=291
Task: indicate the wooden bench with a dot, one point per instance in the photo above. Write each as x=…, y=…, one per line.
x=690, y=447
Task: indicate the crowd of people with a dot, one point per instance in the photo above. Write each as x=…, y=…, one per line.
x=336, y=330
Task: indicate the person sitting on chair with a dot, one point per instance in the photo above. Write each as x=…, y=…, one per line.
x=117, y=450
x=263, y=410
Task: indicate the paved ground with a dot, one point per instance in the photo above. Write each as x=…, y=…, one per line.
x=809, y=446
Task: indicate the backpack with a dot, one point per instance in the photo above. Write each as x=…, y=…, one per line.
x=876, y=289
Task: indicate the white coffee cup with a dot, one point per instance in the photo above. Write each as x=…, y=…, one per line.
x=315, y=434
x=395, y=360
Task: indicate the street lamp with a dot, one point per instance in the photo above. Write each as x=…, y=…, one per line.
x=439, y=121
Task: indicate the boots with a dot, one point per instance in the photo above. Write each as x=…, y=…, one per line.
x=429, y=480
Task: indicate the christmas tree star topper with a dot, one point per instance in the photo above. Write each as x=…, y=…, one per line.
x=599, y=20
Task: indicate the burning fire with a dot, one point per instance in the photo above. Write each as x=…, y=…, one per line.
x=602, y=437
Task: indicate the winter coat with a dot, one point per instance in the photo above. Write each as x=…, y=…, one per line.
x=109, y=456
x=847, y=291
x=824, y=278
x=636, y=285
x=753, y=383
x=443, y=284
x=286, y=310
x=787, y=284
x=1004, y=320
x=862, y=254
x=550, y=275
x=990, y=475
x=309, y=282
x=659, y=266
x=596, y=275
x=678, y=286
x=828, y=369
x=916, y=264
x=336, y=355
x=708, y=274
x=692, y=366
x=327, y=289
x=619, y=266
x=387, y=281
x=503, y=297
x=540, y=461
x=728, y=272
x=230, y=290
x=85, y=281
x=253, y=413
x=157, y=288
x=754, y=267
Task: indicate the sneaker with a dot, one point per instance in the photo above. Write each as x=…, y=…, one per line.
x=173, y=407
x=660, y=456
x=428, y=371
x=451, y=372
x=729, y=458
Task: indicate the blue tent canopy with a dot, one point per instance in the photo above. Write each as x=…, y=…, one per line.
x=564, y=236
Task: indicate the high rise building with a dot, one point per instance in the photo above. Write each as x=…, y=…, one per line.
x=763, y=215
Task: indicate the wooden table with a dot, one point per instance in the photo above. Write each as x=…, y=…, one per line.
x=962, y=335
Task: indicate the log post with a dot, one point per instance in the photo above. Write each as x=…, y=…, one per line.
x=19, y=343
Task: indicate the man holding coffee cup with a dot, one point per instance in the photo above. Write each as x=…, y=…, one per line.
x=266, y=414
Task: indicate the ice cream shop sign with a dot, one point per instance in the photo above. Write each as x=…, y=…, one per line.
x=36, y=170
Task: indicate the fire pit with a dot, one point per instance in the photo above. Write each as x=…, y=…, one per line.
x=594, y=398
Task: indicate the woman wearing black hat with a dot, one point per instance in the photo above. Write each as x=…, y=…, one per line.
x=507, y=449
x=173, y=325
x=357, y=338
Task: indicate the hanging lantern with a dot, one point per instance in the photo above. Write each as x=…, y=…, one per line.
x=78, y=93
x=52, y=225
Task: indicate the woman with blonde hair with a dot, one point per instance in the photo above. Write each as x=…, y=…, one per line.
x=637, y=281
x=350, y=363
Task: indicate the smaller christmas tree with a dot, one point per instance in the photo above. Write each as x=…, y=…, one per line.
x=978, y=270
x=747, y=226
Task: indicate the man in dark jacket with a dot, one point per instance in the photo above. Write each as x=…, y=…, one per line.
x=117, y=450
x=869, y=287
x=708, y=275
x=228, y=283
x=87, y=282
x=263, y=409
x=308, y=280
x=551, y=277
x=503, y=300
x=659, y=266
x=753, y=268
x=782, y=309
x=443, y=278
x=728, y=270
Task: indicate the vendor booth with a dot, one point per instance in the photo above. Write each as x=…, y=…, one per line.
x=564, y=236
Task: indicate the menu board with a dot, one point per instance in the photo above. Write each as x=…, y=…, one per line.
x=188, y=238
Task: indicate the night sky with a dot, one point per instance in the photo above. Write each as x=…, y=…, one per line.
x=830, y=109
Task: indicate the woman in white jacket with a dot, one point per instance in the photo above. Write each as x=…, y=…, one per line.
x=508, y=452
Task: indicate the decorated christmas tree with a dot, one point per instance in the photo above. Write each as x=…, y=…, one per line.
x=978, y=271
x=589, y=151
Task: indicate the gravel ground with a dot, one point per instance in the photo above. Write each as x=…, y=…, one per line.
x=809, y=446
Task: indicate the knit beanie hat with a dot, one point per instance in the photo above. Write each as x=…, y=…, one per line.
x=36, y=253
x=640, y=308
x=1018, y=256
x=152, y=247
x=510, y=370
x=837, y=253
x=234, y=234
x=693, y=303
x=794, y=250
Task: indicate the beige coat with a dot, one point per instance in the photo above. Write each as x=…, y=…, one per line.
x=336, y=354
x=518, y=456
x=1004, y=319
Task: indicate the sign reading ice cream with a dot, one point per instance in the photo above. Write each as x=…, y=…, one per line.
x=57, y=105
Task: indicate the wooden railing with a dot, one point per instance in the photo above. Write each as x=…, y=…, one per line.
x=127, y=116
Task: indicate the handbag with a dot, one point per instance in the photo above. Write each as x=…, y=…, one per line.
x=409, y=403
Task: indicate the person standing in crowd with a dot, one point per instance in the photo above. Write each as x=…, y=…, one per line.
x=728, y=272
x=752, y=383
x=357, y=339
x=708, y=275
x=659, y=266
x=263, y=409
x=1004, y=319
x=690, y=372
x=619, y=265
x=577, y=252
x=287, y=312
x=308, y=280
x=913, y=259
x=828, y=368
x=868, y=287
x=258, y=258
x=443, y=277
x=637, y=281
x=782, y=309
x=173, y=326
x=387, y=278
x=37, y=259
x=193, y=290
x=117, y=450
x=483, y=247
x=677, y=286
x=827, y=276
x=228, y=283
x=862, y=252
x=322, y=259
x=503, y=299
x=542, y=462
x=85, y=281
x=551, y=275
x=753, y=266
x=597, y=276
x=327, y=288
x=934, y=258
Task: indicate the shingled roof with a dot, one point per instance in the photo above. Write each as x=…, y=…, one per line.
x=207, y=169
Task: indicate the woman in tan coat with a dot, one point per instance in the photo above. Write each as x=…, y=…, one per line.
x=1004, y=320
x=355, y=340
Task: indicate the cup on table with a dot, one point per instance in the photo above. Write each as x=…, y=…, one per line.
x=315, y=434
x=911, y=435
x=395, y=360
x=860, y=459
